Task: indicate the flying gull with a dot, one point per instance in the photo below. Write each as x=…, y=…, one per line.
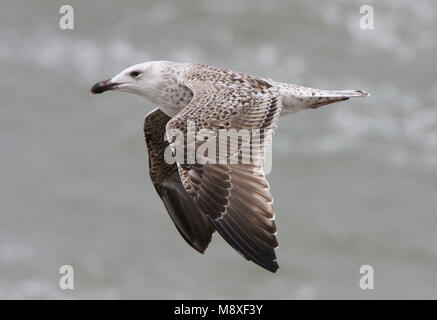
x=201, y=197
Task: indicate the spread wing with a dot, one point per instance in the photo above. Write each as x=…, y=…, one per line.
x=235, y=196
x=191, y=223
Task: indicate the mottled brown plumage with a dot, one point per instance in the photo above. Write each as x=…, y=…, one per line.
x=235, y=197
x=191, y=223
x=200, y=196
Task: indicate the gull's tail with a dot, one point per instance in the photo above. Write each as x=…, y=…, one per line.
x=296, y=98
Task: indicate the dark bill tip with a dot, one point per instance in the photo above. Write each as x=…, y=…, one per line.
x=103, y=86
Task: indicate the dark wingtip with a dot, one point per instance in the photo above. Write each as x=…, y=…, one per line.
x=276, y=268
x=271, y=266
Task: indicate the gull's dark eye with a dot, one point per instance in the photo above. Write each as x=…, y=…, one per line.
x=135, y=74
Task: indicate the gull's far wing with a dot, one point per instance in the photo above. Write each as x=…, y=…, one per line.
x=191, y=223
x=235, y=197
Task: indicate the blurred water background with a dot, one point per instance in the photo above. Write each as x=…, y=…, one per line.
x=354, y=183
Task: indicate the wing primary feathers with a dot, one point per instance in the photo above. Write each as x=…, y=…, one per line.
x=189, y=220
x=235, y=197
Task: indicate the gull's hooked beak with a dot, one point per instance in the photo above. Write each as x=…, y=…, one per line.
x=103, y=86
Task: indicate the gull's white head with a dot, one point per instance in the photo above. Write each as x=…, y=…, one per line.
x=144, y=79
